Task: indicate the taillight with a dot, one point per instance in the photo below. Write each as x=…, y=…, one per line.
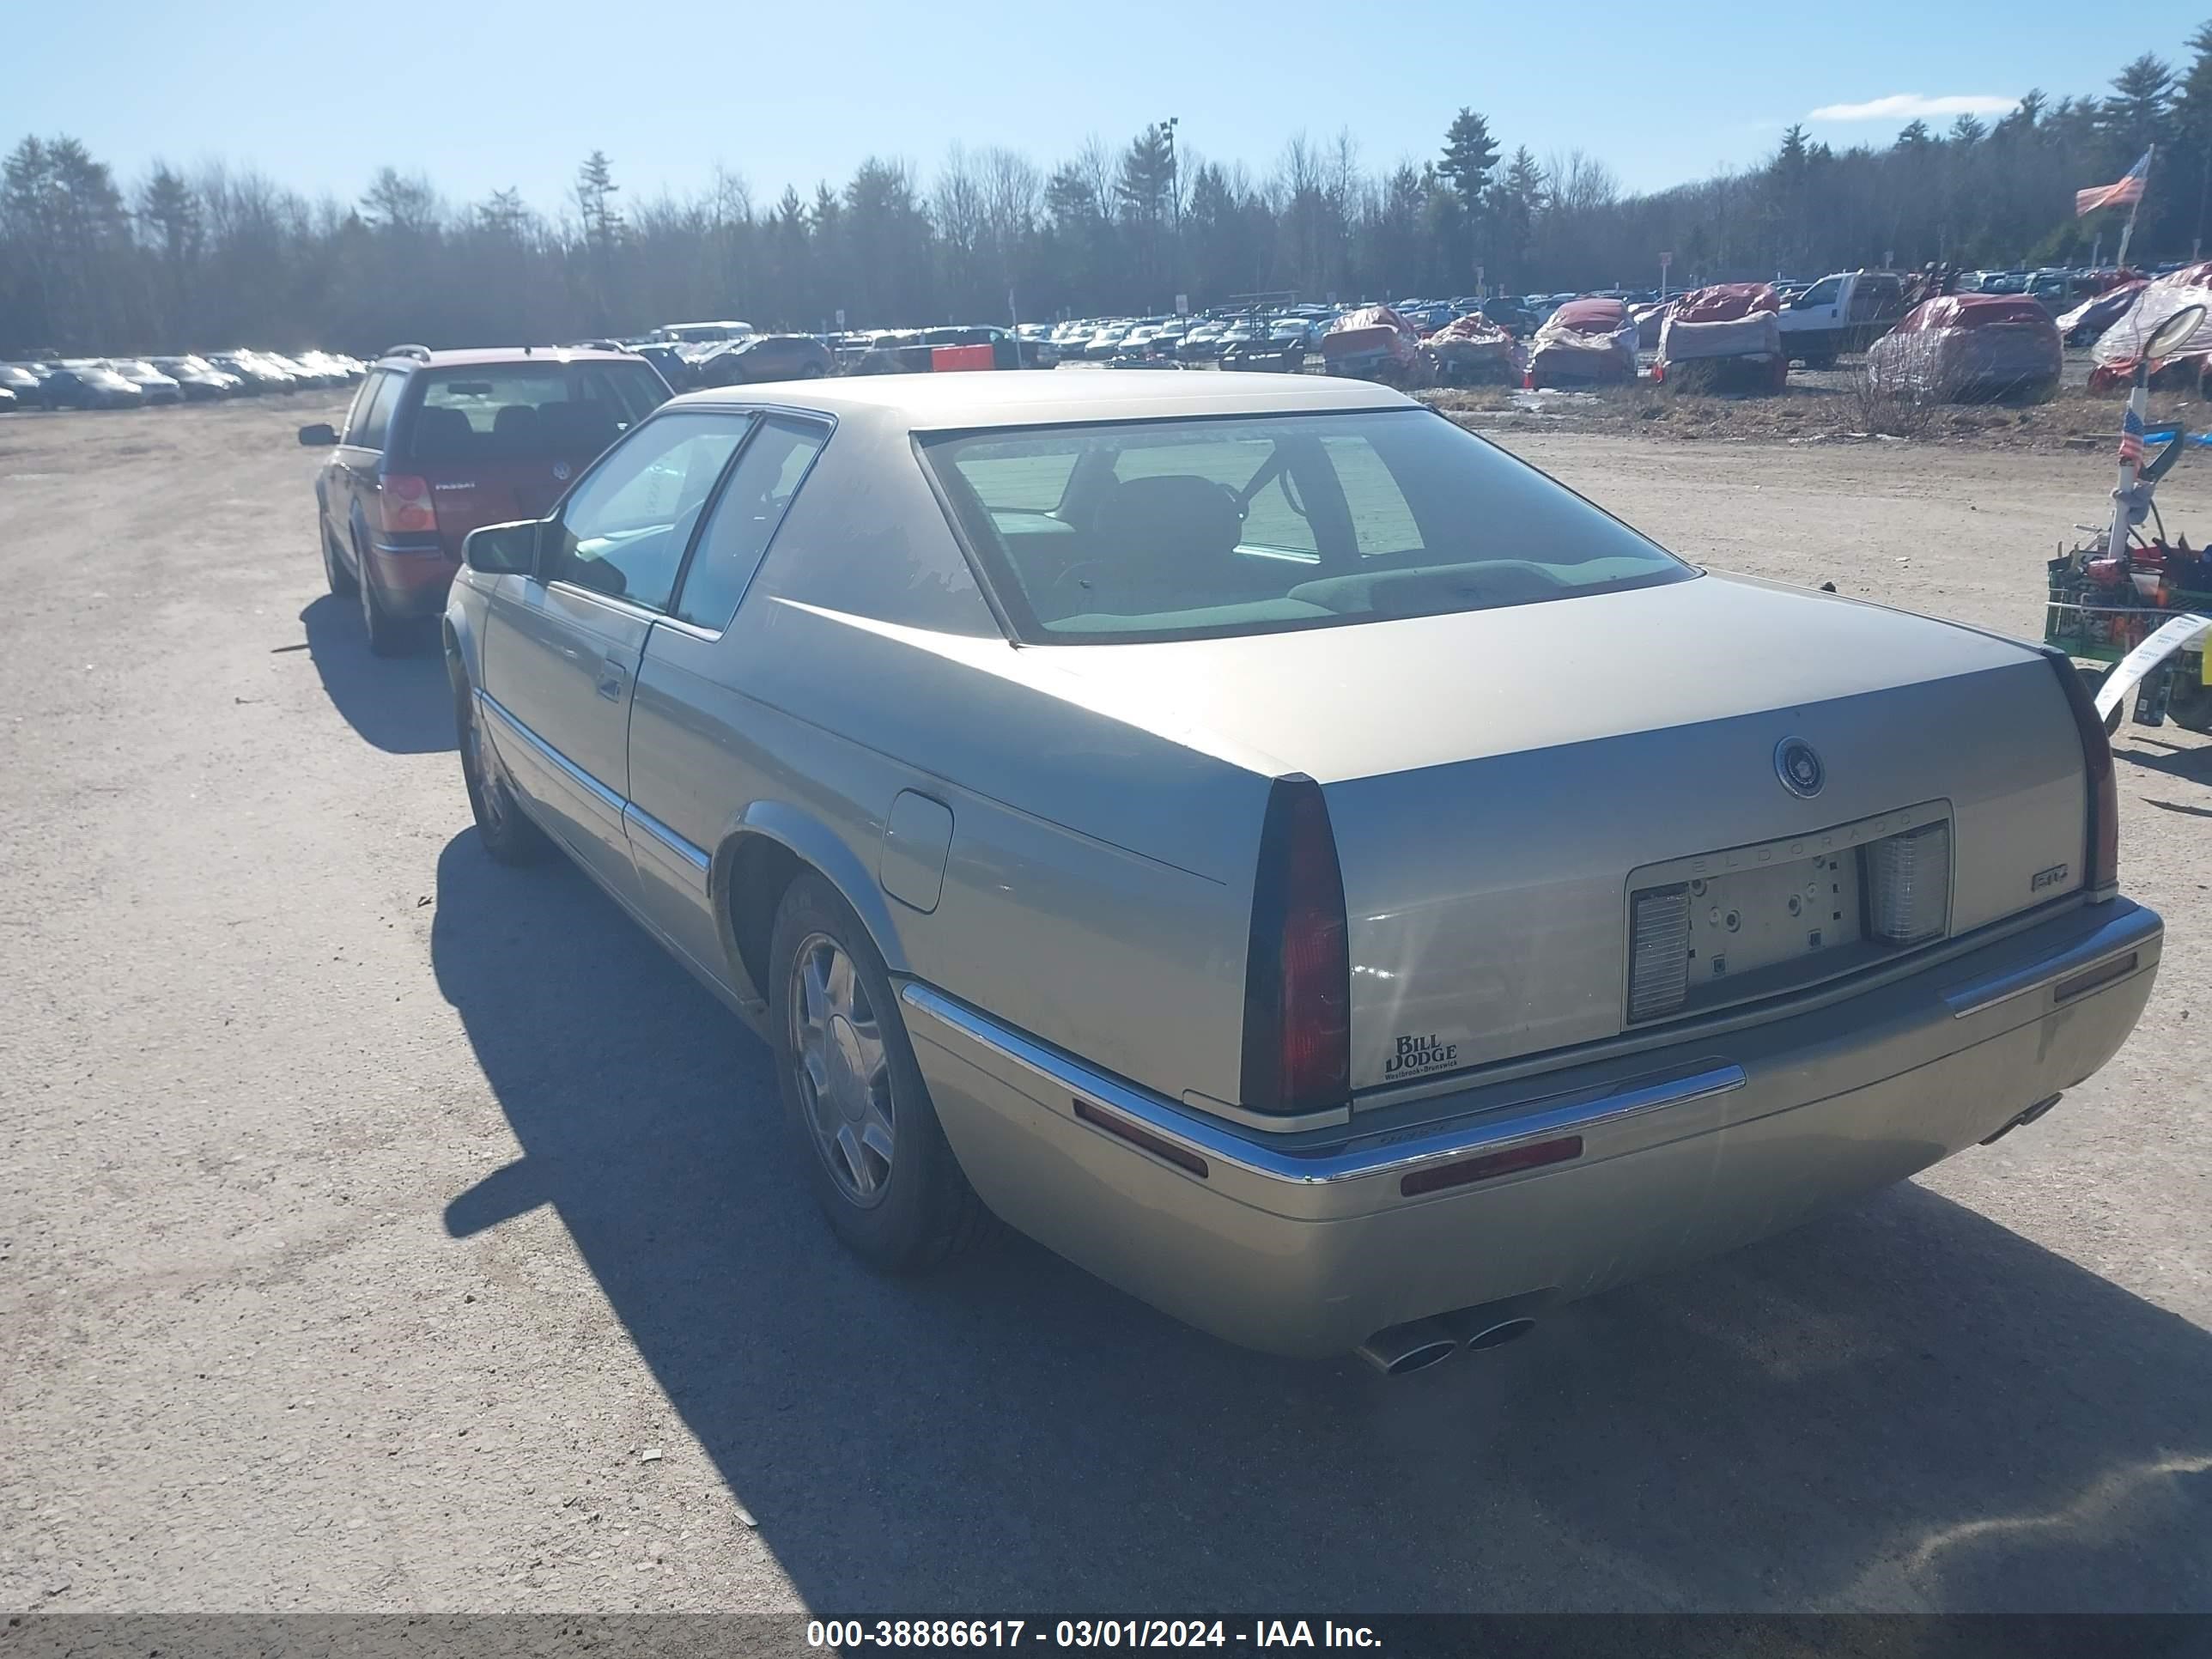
x=2100, y=868
x=405, y=502
x=1297, y=974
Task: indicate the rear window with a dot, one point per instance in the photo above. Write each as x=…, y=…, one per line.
x=1200, y=529
x=548, y=411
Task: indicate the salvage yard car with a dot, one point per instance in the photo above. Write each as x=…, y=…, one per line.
x=1268, y=844
x=763, y=357
x=437, y=443
x=89, y=386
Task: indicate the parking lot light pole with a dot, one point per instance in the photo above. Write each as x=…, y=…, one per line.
x=1174, y=199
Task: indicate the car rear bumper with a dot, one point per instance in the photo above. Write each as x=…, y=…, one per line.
x=411, y=581
x=1307, y=1246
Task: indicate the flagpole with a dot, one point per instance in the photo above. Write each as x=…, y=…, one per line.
x=2128, y=230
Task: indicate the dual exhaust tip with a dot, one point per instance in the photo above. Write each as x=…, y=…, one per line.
x=1401, y=1350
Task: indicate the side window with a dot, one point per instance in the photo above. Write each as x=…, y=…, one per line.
x=355, y=420
x=624, y=531
x=1821, y=292
x=376, y=413
x=766, y=476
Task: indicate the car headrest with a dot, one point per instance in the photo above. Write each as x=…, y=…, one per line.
x=442, y=432
x=515, y=423
x=1171, y=522
x=576, y=428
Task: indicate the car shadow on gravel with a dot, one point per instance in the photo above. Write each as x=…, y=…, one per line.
x=1902, y=1406
x=402, y=705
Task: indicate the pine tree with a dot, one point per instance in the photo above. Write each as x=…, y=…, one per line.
x=1146, y=180
x=1469, y=154
x=595, y=193
x=2190, y=162
x=2132, y=117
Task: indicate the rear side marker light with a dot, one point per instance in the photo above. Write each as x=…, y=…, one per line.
x=1468, y=1171
x=2091, y=979
x=1137, y=1135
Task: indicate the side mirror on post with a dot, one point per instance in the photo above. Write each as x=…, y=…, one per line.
x=503, y=549
x=320, y=435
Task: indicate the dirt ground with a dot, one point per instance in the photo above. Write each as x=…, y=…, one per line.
x=385, y=1230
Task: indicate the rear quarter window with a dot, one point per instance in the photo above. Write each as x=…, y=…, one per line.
x=371, y=419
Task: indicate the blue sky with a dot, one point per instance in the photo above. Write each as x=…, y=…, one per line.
x=482, y=93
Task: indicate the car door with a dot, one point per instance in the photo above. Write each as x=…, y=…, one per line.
x=561, y=646
x=354, y=464
x=692, y=769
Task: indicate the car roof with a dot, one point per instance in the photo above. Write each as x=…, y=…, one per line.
x=480, y=355
x=920, y=403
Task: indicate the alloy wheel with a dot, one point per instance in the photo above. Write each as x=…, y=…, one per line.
x=843, y=1068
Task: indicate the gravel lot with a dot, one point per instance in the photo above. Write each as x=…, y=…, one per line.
x=383, y=1229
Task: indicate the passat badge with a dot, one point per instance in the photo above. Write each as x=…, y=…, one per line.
x=1799, y=768
x=560, y=472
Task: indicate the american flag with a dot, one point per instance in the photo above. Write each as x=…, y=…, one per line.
x=2129, y=189
x=2131, y=438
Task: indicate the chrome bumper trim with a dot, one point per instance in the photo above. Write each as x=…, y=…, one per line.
x=2129, y=932
x=1540, y=1118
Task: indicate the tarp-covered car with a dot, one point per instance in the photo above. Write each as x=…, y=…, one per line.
x=1726, y=337
x=1584, y=342
x=2121, y=343
x=1473, y=350
x=1374, y=344
x=2085, y=324
x=1969, y=347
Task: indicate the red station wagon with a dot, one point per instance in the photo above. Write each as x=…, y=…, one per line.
x=438, y=443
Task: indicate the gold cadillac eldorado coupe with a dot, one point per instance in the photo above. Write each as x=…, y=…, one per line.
x=1288, y=856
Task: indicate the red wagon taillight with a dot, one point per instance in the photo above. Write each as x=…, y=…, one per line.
x=405, y=503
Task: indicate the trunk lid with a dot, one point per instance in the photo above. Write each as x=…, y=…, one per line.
x=1495, y=779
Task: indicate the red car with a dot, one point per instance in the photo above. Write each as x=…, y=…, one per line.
x=438, y=443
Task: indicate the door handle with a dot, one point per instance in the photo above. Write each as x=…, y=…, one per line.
x=612, y=675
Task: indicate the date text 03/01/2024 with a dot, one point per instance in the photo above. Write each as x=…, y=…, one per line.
x=852, y=1634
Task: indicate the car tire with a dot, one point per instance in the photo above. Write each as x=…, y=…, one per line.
x=507, y=831
x=388, y=635
x=813, y=372
x=341, y=580
x=2191, y=706
x=854, y=1098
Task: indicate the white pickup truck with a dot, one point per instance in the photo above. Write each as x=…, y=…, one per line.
x=1847, y=311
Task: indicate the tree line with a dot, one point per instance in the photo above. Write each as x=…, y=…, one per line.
x=220, y=256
